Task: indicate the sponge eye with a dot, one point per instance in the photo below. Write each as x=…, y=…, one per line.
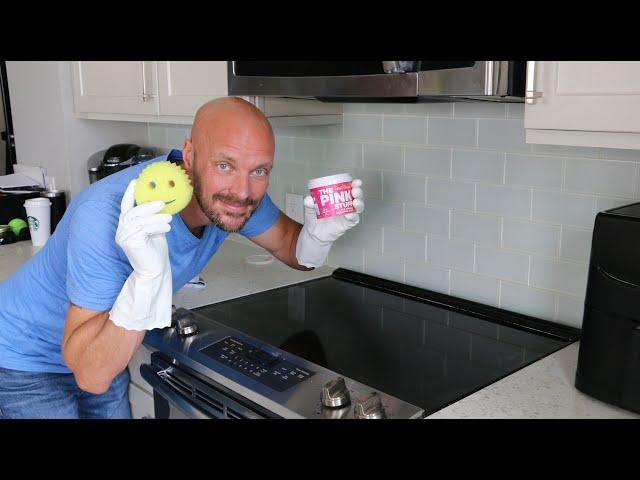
x=152, y=184
x=172, y=183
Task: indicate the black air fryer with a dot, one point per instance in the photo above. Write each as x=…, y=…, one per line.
x=609, y=359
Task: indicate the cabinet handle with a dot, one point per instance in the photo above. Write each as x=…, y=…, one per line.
x=531, y=94
x=146, y=97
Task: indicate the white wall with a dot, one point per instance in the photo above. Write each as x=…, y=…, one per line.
x=46, y=131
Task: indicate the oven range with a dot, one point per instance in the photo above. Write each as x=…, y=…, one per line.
x=347, y=346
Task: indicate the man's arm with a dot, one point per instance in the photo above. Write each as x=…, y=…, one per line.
x=280, y=240
x=95, y=349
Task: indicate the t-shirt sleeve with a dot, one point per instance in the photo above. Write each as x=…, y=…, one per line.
x=262, y=219
x=96, y=266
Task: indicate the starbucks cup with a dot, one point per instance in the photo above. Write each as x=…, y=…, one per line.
x=332, y=195
x=39, y=219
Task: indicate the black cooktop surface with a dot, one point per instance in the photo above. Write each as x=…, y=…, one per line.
x=423, y=347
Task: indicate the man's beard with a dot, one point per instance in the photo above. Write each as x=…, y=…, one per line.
x=216, y=217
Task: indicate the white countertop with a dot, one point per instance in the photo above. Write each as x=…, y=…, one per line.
x=544, y=389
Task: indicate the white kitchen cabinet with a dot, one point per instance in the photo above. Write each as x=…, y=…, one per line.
x=591, y=104
x=185, y=86
x=171, y=92
x=115, y=87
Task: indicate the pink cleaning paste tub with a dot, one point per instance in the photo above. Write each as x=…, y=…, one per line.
x=332, y=195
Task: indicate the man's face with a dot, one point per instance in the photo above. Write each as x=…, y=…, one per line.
x=230, y=178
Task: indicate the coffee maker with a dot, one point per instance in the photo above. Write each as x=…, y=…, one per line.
x=116, y=158
x=609, y=358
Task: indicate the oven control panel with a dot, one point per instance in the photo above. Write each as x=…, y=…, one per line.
x=270, y=370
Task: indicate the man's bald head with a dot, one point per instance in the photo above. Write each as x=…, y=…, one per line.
x=223, y=115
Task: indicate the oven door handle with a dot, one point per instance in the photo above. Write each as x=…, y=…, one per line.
x=170, y=394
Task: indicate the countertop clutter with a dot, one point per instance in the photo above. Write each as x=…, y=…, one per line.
x=544, y=389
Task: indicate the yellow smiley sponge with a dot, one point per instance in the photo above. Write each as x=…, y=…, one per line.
x=164, y=181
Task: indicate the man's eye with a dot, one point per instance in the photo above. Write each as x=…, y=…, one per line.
x=261, y=172
x=223, y=166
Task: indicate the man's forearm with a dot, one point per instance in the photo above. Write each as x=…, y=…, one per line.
x=97, y=350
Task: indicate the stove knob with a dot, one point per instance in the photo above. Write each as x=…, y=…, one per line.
x=369, y=408
x=185, y=323
x=335, y=394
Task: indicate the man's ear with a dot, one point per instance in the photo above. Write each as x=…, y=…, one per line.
x=187, y=155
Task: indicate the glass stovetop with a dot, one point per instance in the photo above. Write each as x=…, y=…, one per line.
x=420, y=352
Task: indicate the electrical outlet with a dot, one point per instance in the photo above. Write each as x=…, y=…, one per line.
x=294, y=207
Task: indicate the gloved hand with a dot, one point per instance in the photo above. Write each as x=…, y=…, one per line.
x=145, y=299
x=317, y=235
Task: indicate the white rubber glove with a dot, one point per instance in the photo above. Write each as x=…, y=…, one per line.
x=317, y=235
x=145, y=299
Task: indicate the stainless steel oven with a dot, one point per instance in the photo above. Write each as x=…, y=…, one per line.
x=381, y=81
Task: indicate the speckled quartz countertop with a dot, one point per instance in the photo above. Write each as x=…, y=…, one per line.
x=543, y=389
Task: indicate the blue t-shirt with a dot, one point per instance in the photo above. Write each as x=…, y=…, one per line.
x=82, y=264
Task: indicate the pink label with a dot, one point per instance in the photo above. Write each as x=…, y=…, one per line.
x=332, y=200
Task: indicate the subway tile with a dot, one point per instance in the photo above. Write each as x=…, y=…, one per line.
x=502, y=264
x=385, y=108
x=437, y=109
x=176, y=135
x=157, y=135
x=564, y=150
x=371, y=182
x=366, y=127
x=386, y=266
x=349, y=108
x=449, y=193
x=284, y=149
x=384, y=157
x=289, y=131
x=473, y=287
x=450, y=253
x=570, y=310
x=345, y=154
x=515, y=110
x=605, y=177
x=478, y=165
x=507, y=135
x=605, y=203
x=559, y=275
x=576, y=243
x=405, y=244
x=308, y=150
x=619, y=154
x=429, y=161
x=533, y=171
x=482, y=229
x=293, y=174
x=479, y=110
x=404, y=129
x=363, y=237
x=403, y=188
x=531, y=237
x=346, y=257
x=563, y=208
x=528, y=300
x=385, y=214
x=427, y=276
x=326, y=131
x=419, y=218
x=507, y=201
x=459, y=132
x=277, y=193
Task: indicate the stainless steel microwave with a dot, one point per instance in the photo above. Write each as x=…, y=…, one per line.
x=380, y=81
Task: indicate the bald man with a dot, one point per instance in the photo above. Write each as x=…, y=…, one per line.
x=73, y=316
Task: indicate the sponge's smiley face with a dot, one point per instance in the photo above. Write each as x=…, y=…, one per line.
x=164, y=181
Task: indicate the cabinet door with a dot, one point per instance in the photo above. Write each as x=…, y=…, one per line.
x=586, y=96
x=185, y=86
x=115, y=87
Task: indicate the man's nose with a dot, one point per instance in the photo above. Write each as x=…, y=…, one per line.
x=240, y=187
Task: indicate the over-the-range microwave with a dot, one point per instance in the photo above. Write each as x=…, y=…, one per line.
x=380, y=81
